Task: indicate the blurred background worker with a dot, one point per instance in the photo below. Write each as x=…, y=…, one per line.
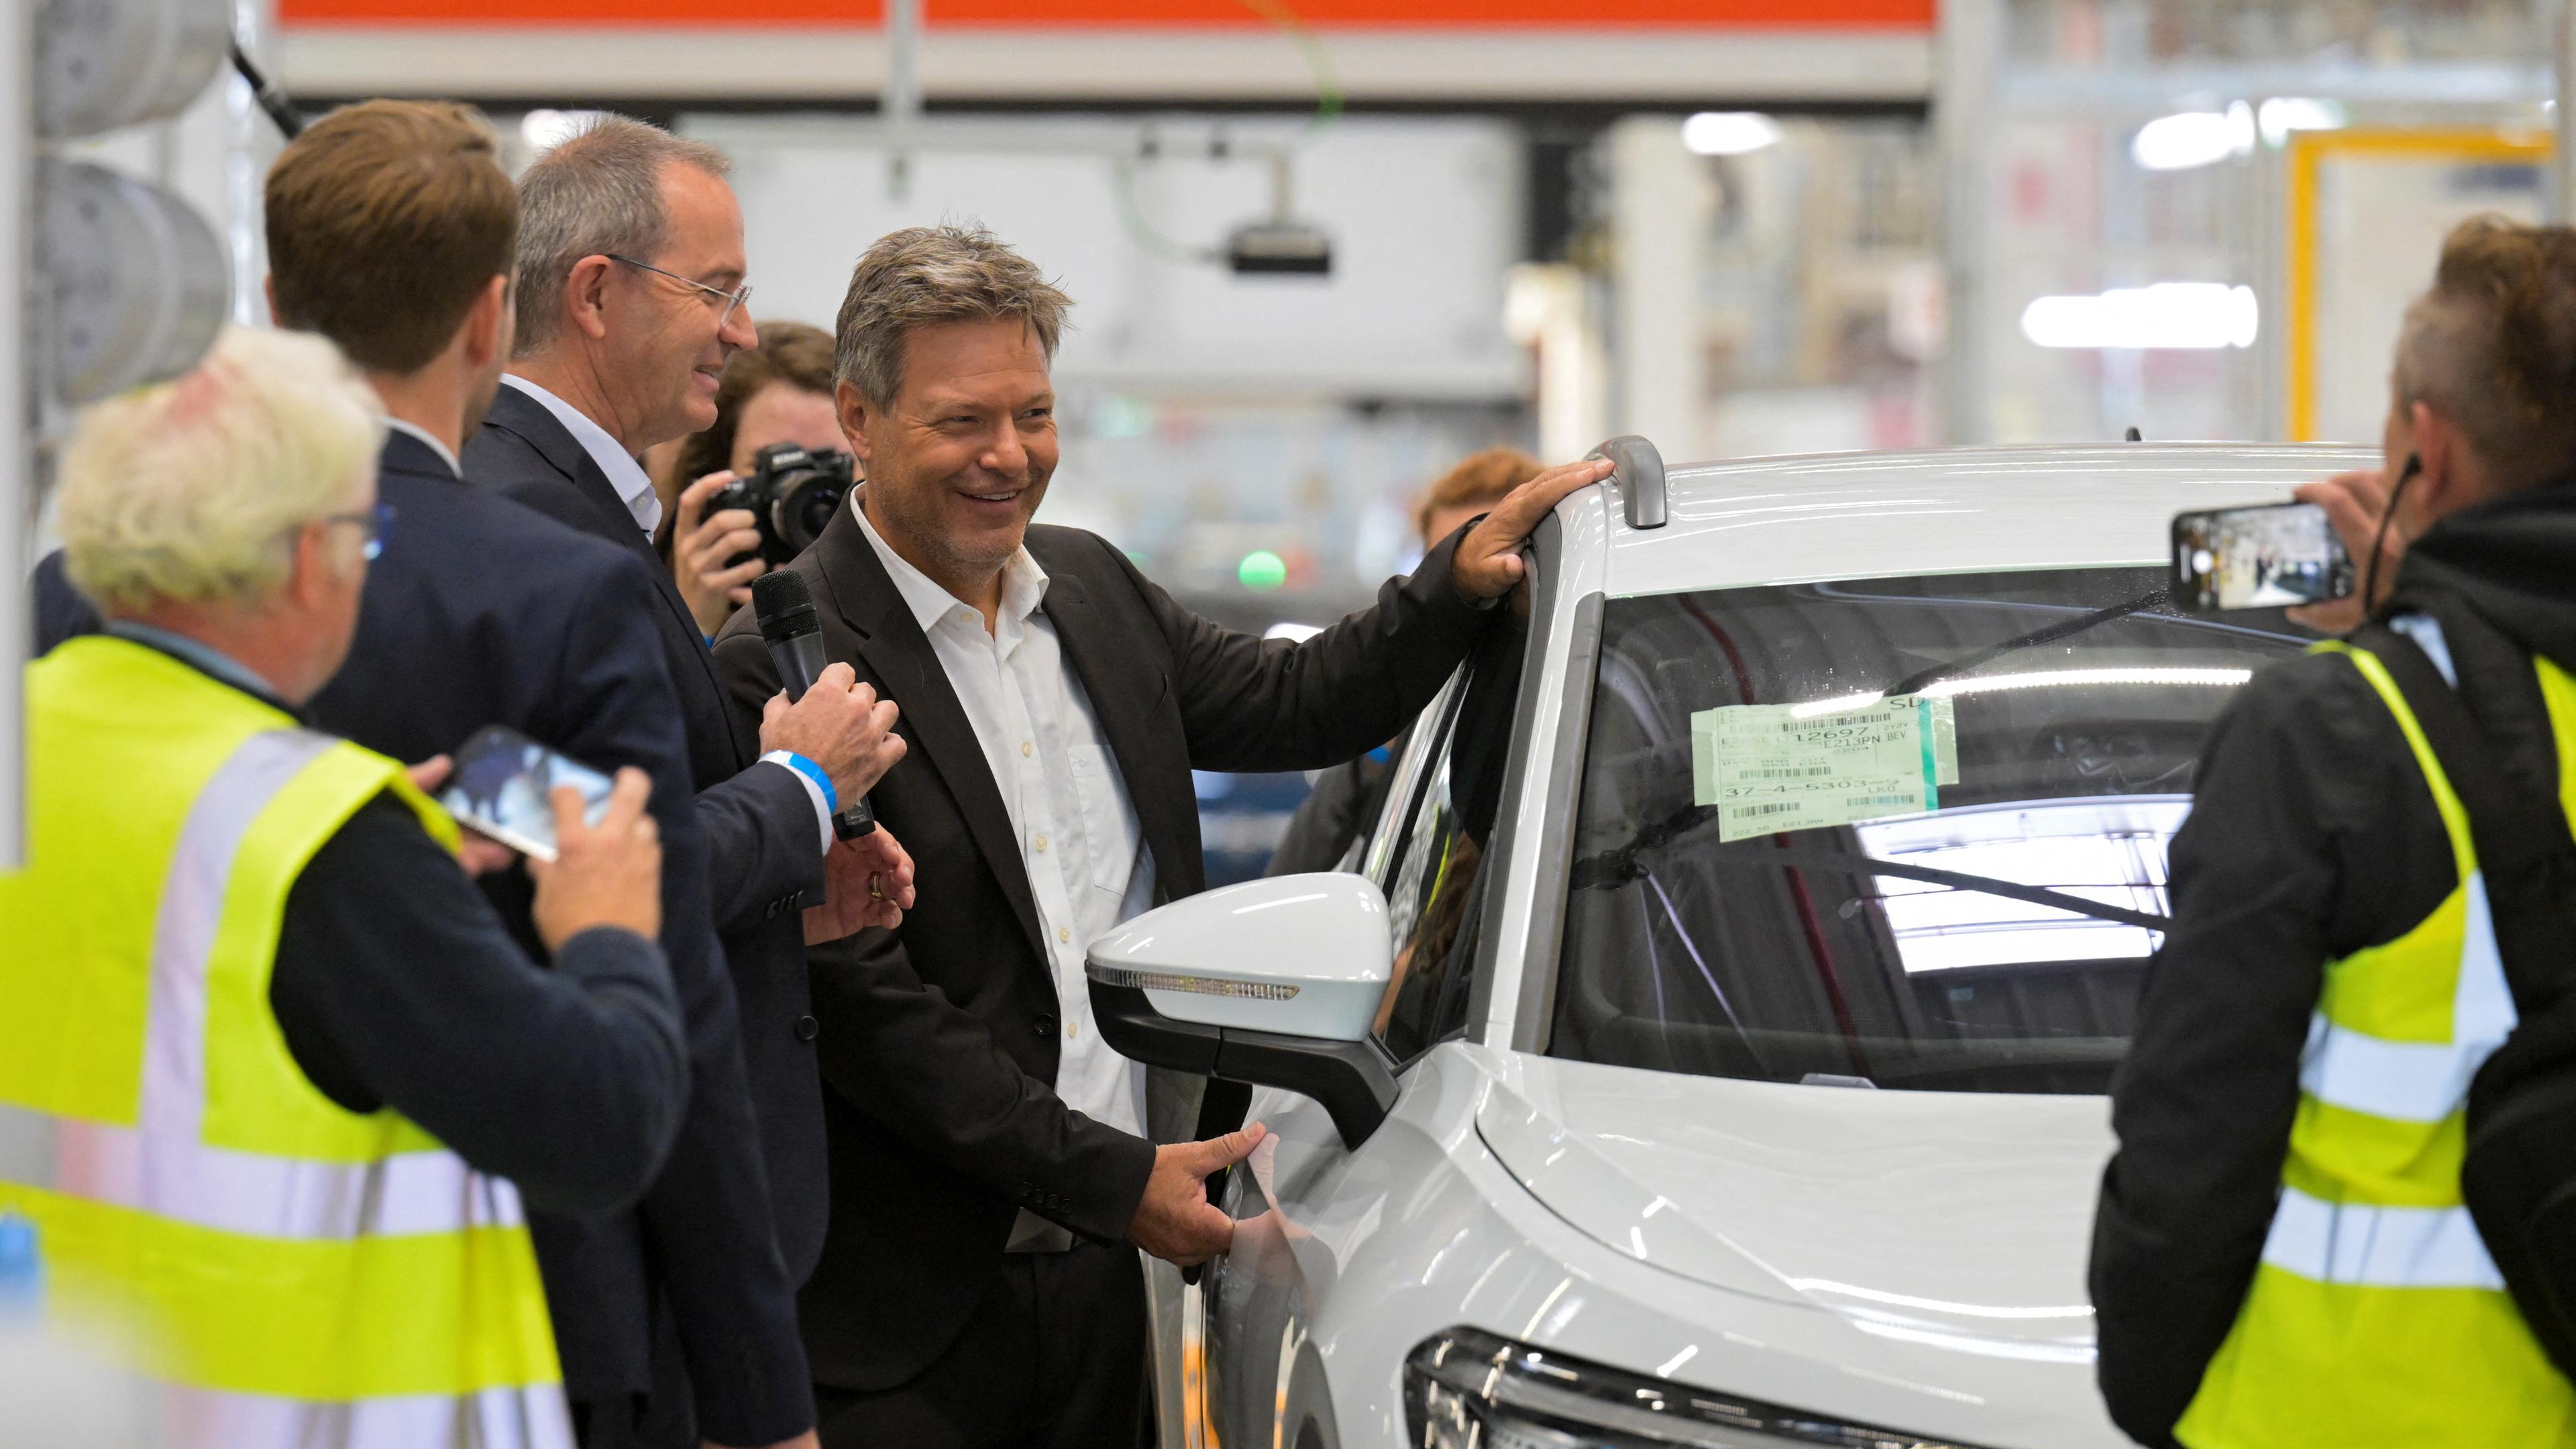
x=630, y=302
x=2282, y=1255
x=777, y=391
x=326, y=1244
x=1344, y=800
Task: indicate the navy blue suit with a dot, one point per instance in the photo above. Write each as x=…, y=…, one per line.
x=763, y=839
x=481, y=612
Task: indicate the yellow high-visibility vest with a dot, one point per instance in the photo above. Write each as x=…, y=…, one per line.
x=2376, y=1315
x=282, y=1273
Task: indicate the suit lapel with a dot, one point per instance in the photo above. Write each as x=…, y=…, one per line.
x=517, y=413
x=1124, y=704
x=891, y=643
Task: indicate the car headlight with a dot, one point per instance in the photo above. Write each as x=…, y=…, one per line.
x=1467, y=1389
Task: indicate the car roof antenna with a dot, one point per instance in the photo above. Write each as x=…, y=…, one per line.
x=2133, y=435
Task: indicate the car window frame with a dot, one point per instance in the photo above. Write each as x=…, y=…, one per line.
x=1383, y=852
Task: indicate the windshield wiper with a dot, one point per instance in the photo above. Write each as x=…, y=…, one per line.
x=1617, y=867
x=1920, y=680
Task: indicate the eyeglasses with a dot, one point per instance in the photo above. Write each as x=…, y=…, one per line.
x=375, y=526
x=734, y=301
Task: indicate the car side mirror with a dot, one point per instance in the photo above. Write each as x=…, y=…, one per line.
x=1273, y=982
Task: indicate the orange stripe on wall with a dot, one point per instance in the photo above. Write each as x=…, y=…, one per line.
x=1155, y=14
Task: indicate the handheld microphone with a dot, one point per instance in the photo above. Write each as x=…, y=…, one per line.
x=784, y=605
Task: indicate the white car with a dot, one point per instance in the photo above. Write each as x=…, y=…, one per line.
x=1766, y=912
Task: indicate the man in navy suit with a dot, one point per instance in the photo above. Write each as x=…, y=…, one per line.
x=391, y=229
x=630, y=300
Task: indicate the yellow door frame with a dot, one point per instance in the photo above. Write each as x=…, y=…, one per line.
x=2306, y=153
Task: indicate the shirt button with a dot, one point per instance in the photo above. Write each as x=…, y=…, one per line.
x=1072, y=1029
x=1041, y=843
x=1063, y=933
x=806, y=1027
x=1027, y=749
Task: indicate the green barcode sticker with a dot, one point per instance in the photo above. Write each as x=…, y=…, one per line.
x=1774, y=767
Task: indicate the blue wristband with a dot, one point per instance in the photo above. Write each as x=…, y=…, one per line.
x=813, y=772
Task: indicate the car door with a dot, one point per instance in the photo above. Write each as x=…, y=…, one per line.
x=1259, y=1385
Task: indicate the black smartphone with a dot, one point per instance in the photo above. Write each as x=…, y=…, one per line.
x=2269, y=556
x=504, y=787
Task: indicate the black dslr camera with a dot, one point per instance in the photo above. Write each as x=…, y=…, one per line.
x=790, y=493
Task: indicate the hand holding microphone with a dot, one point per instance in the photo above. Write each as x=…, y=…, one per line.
x=822, y=711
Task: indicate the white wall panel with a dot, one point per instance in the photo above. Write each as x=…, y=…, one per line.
x=1425, y=217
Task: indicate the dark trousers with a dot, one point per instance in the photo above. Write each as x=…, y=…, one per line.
x=1053, y=1358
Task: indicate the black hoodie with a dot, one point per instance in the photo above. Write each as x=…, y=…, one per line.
x=2312, y=835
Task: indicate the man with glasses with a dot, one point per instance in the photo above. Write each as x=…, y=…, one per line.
x=630, y=300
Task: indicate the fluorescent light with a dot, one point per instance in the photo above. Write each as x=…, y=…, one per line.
x=1729, y=133
x=2194, y=138
x=2281, y=115
x=2166, y=314
x=2036, y=679
x=543, y=130
x=1293, y=633
x=2042, y=679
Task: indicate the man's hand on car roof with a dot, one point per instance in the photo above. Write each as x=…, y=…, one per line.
x=1488, y=561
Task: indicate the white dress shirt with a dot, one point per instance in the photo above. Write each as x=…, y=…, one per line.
x=634, y=486
x=635, y=489
x=416, y=431
x=1079, y=841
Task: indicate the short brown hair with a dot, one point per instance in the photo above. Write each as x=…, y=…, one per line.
x=598, y=192
x=925, y=275
x=788, y=352
x=386, y=220
x=2492, y=347
x=1480, y=479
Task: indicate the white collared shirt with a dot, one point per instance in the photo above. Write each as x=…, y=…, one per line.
x=416, y=431
x=634, y=486
x=1079, y=840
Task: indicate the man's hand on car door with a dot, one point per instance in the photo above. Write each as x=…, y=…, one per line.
x=1176, y=1222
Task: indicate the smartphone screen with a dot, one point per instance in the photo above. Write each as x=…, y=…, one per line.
x=504, y=785
x=2269, y=556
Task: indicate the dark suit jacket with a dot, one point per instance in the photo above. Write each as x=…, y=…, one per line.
x=939, y=1042
x=763, y=840
x=481, y=612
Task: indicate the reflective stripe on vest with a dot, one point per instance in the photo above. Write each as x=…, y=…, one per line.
x=533, y=1417
x=2377, y=1315
x=2382, y=1247
x=365, y=1289
x=2420, y=1081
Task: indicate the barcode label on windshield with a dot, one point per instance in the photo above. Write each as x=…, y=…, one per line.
x=1775, y=767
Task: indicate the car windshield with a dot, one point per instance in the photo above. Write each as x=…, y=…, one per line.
x=1904, y=832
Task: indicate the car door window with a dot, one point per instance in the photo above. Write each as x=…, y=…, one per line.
x=1434, y=878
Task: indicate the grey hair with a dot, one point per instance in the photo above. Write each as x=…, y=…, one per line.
x=597, y=192
x=925, y=275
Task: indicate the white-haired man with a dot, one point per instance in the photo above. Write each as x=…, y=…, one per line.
x=274, y=1078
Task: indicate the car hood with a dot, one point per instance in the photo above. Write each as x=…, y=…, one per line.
x=1950, y=1218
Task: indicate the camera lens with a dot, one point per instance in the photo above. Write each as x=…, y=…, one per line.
x=805, y=504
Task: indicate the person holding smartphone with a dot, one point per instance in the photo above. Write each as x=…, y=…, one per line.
x=2282, y=1252
x=275, y=1078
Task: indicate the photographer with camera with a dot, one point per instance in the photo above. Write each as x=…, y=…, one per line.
x=746, y=487
x=2345, y=1093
